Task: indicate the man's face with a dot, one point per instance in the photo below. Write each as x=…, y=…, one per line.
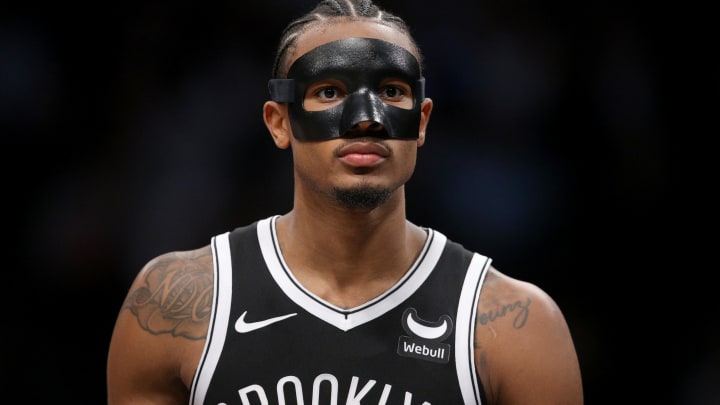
x=349, y=155
x=334, y=87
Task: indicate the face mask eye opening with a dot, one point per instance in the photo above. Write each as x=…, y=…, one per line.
x=323, y=95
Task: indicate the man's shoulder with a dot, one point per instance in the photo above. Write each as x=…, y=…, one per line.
x=500, y=283
x=172, y=294
x=201, y=257
x=177, y=268
x=522, y=304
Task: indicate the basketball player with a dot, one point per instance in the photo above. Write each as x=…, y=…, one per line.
x=341, y=300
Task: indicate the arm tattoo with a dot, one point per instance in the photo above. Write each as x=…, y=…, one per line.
x=176, y=298
x=519, y=308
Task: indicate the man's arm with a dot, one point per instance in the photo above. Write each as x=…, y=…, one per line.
x=524, y=352
x=160, y=331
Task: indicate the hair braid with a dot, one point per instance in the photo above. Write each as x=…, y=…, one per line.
x=327, y=9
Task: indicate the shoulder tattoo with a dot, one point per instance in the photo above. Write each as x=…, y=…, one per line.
x=519, y=310
x=175, y=297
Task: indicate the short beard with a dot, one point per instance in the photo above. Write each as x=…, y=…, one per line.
x=361, y=197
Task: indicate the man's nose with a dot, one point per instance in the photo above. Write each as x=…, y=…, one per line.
x=363, y=110
x=368, y=126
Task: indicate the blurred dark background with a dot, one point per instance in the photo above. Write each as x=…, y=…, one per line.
x=558, y=146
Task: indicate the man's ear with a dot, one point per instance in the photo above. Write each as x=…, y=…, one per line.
x=425, y=110
x=277, y=122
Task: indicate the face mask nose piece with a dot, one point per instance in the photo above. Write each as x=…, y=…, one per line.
x=362, y=106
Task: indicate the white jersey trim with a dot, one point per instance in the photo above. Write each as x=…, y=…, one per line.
x=465, y=330
x=346, y=319
x=219, y=319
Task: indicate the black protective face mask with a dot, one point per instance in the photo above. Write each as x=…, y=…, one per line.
x=361, y=64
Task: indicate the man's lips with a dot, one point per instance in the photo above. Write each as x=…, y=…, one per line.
x=363, y=153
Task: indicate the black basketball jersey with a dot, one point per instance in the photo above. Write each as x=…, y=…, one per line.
x=271, y=341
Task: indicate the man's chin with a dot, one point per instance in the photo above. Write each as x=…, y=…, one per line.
x=361, y=197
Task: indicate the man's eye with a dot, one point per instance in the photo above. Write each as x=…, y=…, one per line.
x=391, y=92
x=327, y=93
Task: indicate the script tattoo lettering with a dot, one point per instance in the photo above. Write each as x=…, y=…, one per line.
x=176, y=298
x=519, y=308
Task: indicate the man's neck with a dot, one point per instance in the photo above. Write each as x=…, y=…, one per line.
x=349, y=257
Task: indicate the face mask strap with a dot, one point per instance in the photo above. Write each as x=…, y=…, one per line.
x=282, y=90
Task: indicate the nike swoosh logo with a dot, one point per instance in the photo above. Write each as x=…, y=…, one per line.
x=244, y=327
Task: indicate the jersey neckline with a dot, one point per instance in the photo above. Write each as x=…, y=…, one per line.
x=346, y=319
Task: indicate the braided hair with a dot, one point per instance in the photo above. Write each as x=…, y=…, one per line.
x=327, y=9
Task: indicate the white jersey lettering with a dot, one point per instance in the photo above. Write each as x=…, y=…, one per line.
x=256, y=389
x=255, y=394
x=354, y=397
x=333, y=388
x=297, y=385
